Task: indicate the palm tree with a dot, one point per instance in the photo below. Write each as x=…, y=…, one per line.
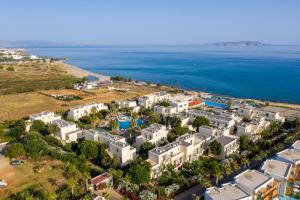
x=244, y=161
x=235, y=165
x=218, y=174
x=227, y=169
x=93, y=110
x=134, y=118
x=114, y=125
x=205, y=182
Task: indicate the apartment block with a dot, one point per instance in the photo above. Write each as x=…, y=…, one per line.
x=228, y=191
x=46, y=116
x=150, y=100
x=82, y=110
x=185, y=149
x=230, y=145
x=257, y=184
x=155, y=133
x=253, y=128
x=67, y=131
x=116, y=145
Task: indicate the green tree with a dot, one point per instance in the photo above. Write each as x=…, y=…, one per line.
x=244, y=161
x=134, y=118
x=117, y=174
x=245, y=142
x=40, y=127
x=145, y=147
x=35, y=145
x=200, y=121
x=297, y=124
x=114, y=126
x=164, y=103
x=179, y=130
x=173, y=121
x=72, y=175
x=16, y=150
x=215, y=148
x=90, y=149
x=16, y=132
x=205, y=182
x=139, y=172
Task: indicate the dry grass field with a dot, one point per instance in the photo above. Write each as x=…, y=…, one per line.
x=28, y=77
x=20, y=178
x=16, y=106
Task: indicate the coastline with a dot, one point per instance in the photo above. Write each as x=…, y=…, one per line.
x=80, y=73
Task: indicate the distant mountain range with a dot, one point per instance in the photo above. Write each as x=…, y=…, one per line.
x=35, y=43
x=239, y=43
x=45, y=43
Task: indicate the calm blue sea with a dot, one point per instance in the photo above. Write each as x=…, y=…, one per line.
x=264, y=72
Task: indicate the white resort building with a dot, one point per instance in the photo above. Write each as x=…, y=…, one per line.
x=280, y=171
x=186, y=148
x=221, y=120
x=116, y=145
x=253, y=128
x=230, y=145
x=46, y=116
x=82, y=110
x=155, y=133
x=228, y=191
x=249, y=112
x=150, y=100
x=67, y=131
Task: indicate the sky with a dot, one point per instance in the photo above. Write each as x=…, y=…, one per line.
x=106, y=22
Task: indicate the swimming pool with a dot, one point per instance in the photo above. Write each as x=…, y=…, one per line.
x=215, y=104
x=124, y=122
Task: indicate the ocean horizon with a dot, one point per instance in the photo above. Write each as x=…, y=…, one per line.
x=270, y=73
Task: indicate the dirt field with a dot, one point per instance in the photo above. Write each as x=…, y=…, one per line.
x=19, y=178
x=16, y=106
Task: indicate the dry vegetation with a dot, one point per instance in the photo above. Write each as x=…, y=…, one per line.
x=29, y=76
x=15, y=106
x=20, y=178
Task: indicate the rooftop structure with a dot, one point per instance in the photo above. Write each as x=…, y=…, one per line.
x=67, y=131
x=218, y=120
x=291, y=156
x=45, y=116
x=86, y=109
x=155, y=134
x=116, y=145
x=185, y=149
x=257, y=184
x=229, y=145
x=253, y=128
x=296, y=145
x=228, y=191
x=277, y=169
x=149, y=100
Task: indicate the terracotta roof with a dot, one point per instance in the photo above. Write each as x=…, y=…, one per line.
x=99, y=179
x=195, y=103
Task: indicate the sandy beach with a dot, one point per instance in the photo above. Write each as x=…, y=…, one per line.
x=80, y=73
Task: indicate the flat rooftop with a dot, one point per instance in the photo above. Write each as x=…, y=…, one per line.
x=224, y=140
x=276, y=168
x=290, y=154
x=296, y=145
x=226, y=192
x=62, y=123
x=252, y=179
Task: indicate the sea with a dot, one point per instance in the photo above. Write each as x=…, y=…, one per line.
x=268, y=72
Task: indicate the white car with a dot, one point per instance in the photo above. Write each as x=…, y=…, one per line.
x=2, y=183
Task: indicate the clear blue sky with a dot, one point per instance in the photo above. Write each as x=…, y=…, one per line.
x=151, y=21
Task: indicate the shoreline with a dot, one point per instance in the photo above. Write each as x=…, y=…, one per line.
x=80, y=73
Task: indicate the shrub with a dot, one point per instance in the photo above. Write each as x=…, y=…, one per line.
x=10, y=68
x=16, y=150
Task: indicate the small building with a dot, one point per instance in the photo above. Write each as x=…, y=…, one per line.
x=46, y=116
x=67, y=131
x=155, y=133
x=253, y=128
x=115, y=144
x=185, y=148
x=228, y=191
x=126, y=104
x=229, y=145
x=86, y=109
x=100, y=182
x=280, y=171
x=150, y=100
x=257, y=184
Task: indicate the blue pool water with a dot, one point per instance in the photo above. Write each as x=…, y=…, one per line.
x=215, y=104
x=125, y=124
x=263, y=72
